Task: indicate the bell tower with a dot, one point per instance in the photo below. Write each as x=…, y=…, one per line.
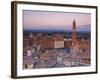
x=74, y=34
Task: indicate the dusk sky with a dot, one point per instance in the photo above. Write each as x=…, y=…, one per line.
x=43, y=20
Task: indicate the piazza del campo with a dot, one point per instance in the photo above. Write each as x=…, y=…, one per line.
x=55, y=50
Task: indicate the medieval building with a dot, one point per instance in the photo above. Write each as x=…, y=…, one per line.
x=42, y=50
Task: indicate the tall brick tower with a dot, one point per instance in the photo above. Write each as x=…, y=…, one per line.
x=74, y=34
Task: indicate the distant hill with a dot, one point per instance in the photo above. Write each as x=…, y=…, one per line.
x=85, y=28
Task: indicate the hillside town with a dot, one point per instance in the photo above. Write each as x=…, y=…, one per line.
x=41, y=50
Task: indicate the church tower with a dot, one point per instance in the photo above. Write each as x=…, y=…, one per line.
x=74, y=34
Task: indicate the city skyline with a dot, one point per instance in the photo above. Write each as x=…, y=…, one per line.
x=46, y=20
